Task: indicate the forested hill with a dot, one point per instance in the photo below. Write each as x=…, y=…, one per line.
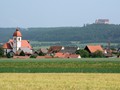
x=89, y=33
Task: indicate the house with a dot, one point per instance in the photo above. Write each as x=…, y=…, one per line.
x=62, y=49
x=68, y=49
x=54, y=49
x=16, y=44
x=66, y=55
x=102, y=21
x=63, y=52
x=21, y=57
x=93, y=48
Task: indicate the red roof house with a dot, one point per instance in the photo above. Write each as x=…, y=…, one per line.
x=93, y=48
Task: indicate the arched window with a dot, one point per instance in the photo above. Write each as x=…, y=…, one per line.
x=14, y=38
x=19, y=39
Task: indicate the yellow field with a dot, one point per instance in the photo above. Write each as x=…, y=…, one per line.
x=59, y=81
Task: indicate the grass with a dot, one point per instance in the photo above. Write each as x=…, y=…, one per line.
x=89, y=65
x=59, y=81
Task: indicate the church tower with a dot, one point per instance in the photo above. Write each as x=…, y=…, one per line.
x=17, y=38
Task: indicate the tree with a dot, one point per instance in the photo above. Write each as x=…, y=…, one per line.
x=41, y=53
x=83, y=53
x=10, y=55
x=1, y=52
x=22, y=53
x=97, y=54
x=33, y=56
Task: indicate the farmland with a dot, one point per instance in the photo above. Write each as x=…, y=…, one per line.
x=59, y=81
x=55, y=65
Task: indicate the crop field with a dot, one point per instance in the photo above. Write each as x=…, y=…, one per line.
x=59, y=81
x=88, y=65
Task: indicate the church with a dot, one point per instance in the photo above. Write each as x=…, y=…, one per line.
x=17, y=45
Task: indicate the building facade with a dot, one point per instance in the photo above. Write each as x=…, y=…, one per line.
x=16, y=44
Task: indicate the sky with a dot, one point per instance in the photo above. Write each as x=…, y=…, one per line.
x=57, y=13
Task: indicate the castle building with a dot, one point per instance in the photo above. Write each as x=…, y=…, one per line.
x=102, y=21
x=17, y=44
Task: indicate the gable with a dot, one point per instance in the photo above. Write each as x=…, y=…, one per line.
x=25, y=43
x=7, y=46
x=93, y=49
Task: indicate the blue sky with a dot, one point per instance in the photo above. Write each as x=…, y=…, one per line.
x=57, y=13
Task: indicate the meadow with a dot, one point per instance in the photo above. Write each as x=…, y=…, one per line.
x=55, y=65
x=59, y=81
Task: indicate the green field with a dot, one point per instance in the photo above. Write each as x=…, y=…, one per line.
x=89, y=65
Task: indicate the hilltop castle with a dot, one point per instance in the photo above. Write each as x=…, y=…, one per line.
x=16, y=44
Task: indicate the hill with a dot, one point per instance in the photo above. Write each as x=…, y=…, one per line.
x=88, y=33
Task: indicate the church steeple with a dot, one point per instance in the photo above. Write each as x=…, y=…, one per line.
x=17, y=37
x=17, y=33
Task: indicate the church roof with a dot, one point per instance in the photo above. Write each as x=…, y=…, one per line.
x=7, y=46
x=17, y=33
x=24, y=44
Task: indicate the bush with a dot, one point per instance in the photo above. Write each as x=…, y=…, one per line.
x=33, y=56
x=1, y=52
x=41, y=54
x=22, y=53
x=83, y=53
x=10, y=55
x=97, y=54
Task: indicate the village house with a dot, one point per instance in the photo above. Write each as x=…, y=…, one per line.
x=62, y=49
x=64, y=52
x=16, y=45
x=66, y=55
x=93, y=48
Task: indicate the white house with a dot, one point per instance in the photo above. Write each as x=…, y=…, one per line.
x=16, y=44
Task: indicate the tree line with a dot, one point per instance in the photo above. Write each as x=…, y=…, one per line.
x=86, y=34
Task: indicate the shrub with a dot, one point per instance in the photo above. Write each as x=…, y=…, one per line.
x=33, y=56
x=22, y=53
x=41, y=54
x=83, y=53
x=1, y=52
x=10, y=55
x=97, y=54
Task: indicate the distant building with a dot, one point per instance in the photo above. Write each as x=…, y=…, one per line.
x=93, y=48
x=64, y=52
x=62, y=49
x=102, y=21
x=17, y=44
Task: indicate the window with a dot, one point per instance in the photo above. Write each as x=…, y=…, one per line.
x=19, y=39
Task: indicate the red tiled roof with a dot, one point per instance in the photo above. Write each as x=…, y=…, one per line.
x=74, y=56
x=40, y=57
x=54, y=49
x=17, y=33
x=92, y=49
x=21, y=57
x=66, y=55
x=7, y=46
x=24, y=43
x=59, y=55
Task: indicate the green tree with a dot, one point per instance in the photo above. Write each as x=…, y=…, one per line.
x=10, y=55
x=22, y=53
x=83, y=53
x=33, y=56
x=41, y=54
x=97, y=54
x=1, y=52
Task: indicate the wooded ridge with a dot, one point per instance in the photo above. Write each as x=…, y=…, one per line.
x=87, y=33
